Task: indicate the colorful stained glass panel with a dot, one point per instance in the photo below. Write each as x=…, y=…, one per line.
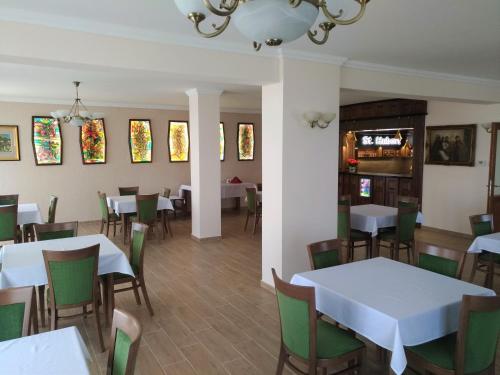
x=178, y=141
x=93, y=142
x=141, y=141
x=246, y=142
x=47, y=141
x=222, y=142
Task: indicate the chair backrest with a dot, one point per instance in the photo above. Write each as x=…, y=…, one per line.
x=259, y=186
x=344, y=222
x=56, y=231
x=297, y=310
x=51, y=218
x=477, y=334
x=481, y=224
x=136, y=250
x=344, y=200
x=147, y=207
x=324, y=254
x=72, y=276
x=440, y=260
x=15, y=312
x=132, y=190
x=251, y=199
x=103, y=205
x=166, y=192
x=406, y=222
x=404, y=201
x=8, y=222
x=126, y=333
x=7, y=200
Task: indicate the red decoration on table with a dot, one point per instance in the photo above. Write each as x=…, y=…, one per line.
x=236, y=180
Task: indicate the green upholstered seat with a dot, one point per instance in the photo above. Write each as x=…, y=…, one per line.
x=440, y=352
x=333, y=342
x=437, y=264
x=121, y=353
x=324, y=259
x=55, y=235
x=11, y=321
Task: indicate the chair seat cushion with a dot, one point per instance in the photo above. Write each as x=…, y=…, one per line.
x=440, y=352
x=333, y=342
x=357, y=235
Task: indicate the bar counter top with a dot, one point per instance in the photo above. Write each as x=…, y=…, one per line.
x=378, y=174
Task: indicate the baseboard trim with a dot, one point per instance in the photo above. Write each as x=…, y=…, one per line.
x=448, y=232
x=206, y=239
x=267, y=287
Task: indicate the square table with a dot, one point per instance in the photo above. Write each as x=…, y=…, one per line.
x=23, y=264
x=392, y=304
x=125, y=204
x=58, y=352
x=29, y=213
x=490, y=243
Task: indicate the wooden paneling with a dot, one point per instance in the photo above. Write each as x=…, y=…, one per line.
x=378, y=191
x=391, y=191
x=406, y=187
x=384, y=108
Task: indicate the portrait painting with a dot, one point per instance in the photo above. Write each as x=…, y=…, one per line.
x=451, y=145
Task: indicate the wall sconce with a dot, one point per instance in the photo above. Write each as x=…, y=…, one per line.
x=321, y=120
x=486, y=127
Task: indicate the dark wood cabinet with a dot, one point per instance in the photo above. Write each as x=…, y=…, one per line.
x=354, y=189
x=391, y=191
x=406, y=187
x=378, y=191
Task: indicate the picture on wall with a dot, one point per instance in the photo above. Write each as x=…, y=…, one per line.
x=140, y=141
x=93, y=142
x=178, y=141
x=451, y=145
x=9, y=143
x=47, y=141
x=222, y=142
x=246, y=142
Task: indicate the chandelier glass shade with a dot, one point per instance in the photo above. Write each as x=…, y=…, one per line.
x=273, y=22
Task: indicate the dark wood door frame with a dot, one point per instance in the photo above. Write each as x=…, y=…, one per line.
x=493, y=207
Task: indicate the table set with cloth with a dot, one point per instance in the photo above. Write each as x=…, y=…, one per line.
x=228, y=190
x=390, y=303
x=29, y=213
x=488, y=242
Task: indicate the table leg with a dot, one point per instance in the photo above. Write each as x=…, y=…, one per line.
x=237, y=203
x=490, y=272
x=34, y=313
x=163, y=224
x=110, y=298
x=41, y=302
x=125, y=227
x=374, y=247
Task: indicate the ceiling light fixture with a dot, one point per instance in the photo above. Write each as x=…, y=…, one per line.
x=78, y=115
x=273, y=22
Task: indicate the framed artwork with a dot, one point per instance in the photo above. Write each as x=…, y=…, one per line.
x=140, y=141
x=451, y=145
x=93, y=142
x=178, y=141
x=47, y=141
x=9, y=143
x=246, y=142
x=222, y=142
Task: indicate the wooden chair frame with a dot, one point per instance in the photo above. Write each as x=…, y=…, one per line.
x=307, y=294
x=469, y=304
x=255, y=211
x=131, y=327
x=24, y=295
x=52, y=207
x=12, y=208
x=478, y=264
x=56, y=227
x=111, y=218
x=62, y=256
x=325, y=246
x=9, y=197
x=129, y=190
x=436, y=250
x=350, y=244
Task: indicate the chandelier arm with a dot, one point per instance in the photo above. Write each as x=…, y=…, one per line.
x=229, y=8
x=326, y=27
x=218, y=29
x=336, y=18
x=295, y=3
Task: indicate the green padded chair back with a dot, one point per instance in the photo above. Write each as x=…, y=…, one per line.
x=147, y=207
x=11, y=321
x=56, y=231
x=7, y=200
x=52, y=209
x=55, y=235
x=481, y=225
x=325, y=254
x=326, y=259
x=166, y=192
x=434, y=263
x=251, y=199
x=137, y=246
x=122, y=349
x=103, y=205
x=407, y=219
x=343, y=222
x=8, y=222
x=134, y=190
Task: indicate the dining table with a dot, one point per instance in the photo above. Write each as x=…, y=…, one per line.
x=491, y=244
x=390, y=303
x=228, y=190
x=58, y=352
x=22, y=264
x=29, y=213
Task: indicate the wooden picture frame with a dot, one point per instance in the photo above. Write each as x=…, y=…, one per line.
x=222, y=141
x=239, y=140
x=451, y=145
x=87, y=161
x=131, y=148
x=9, y=143
x=41, y=155
x=170, y=148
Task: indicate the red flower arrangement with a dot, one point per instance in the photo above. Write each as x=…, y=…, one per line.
x=352, y=162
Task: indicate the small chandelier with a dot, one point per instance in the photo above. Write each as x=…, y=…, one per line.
x=273, y=22
x=78, y=115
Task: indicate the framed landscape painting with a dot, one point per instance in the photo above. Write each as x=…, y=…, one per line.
x=246, y=142
x=140, y=141
x=93, y=142
x=47, y=141
x=222, y=142
x=9, y=143
x=178, y=141
x=451, y=145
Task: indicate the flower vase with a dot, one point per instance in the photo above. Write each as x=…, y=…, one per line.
x=353, y=169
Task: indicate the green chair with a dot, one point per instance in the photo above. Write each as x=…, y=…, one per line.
x=132, y=190
x=253, y=208
x=107, y=217
x=403, y=237
x=126, y=335
x=325, y=254
x=73, y=283
x=44, y=232
x=440, y=260
x=352, y=238
x=405, y=201
x=309, y=340
x=7, y=200
x=29, y=229
x=486, y=262
x=9, y=230
x=471, y=350
x=15, y=312
x=147, y=210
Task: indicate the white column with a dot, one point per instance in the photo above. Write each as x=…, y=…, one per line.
x=204, y=118
x=300, y=166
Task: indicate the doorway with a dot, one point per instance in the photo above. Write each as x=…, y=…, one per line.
x=494, y=177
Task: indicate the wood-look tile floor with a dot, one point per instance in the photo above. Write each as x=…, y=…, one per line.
x=211, y=315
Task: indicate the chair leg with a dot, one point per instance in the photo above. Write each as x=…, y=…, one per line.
x=107, y=228
x=102, y=226
x=256, y=221
x=114, y=228
x=246, y=221
x=281, y=361
x=41, y=303
x=95, y=306
x=146, y=296
x=53, y=320
x=136, y=292
x=474, y=267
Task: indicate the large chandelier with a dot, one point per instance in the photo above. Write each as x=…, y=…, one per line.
x=273, y=22
x=78, y=115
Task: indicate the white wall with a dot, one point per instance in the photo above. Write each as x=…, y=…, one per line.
x=76, y=185
x=452, y=193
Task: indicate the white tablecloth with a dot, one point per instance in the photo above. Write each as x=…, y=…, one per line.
x=371, y=217
x=489, y=242
x=59, y=352
x=125, y=204
x=227, y=190
x=28, y=213
x=22, y=264
x=391, y=303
